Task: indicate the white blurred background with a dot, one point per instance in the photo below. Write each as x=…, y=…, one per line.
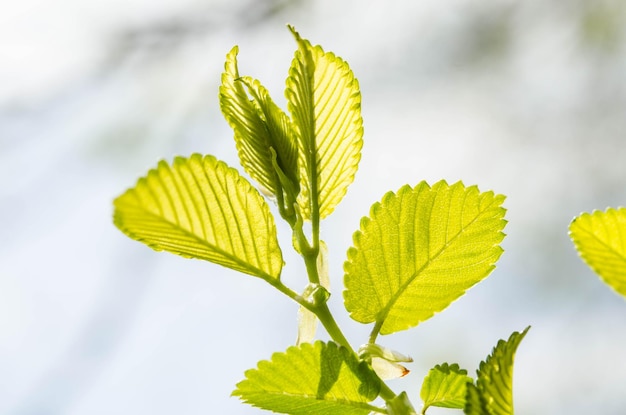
x=525, y=98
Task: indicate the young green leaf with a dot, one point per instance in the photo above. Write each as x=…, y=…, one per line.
x=313, y=378
x=421, y=249
x=474, y=402
x=200, y=208
x=495, y=378
x=600, y=238
x=325, y=103
x=445, y=387
x=259, y=126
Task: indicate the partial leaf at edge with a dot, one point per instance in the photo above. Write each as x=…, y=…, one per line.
x=325, y=103
x=495, y=376
x=420, y=249
x=600, y=239
x=200, y=208
x=259, y=125
x=445, y=386
x=313, y=378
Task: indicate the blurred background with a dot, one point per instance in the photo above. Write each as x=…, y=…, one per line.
x=525, y=98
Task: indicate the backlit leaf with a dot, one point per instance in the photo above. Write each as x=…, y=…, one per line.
x=420, y=249
x=600, y=238
x=259, y=125
x=445, y=386
x=313, y=378
x=325, y=103
x=200, y=208
x=495, y=376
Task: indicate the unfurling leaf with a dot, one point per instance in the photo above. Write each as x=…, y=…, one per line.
x=200, y=208
x=420, y=249
x=325, y=104
x=317, y=378
x=600, y=238
x=445, y=387
x=260, y=127
x=493, y=394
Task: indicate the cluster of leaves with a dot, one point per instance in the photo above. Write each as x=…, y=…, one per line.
x=600, y=238
x=419, y=249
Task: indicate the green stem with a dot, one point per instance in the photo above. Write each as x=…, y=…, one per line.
x=310, y=261
x=278, y=284
x=375, y=331
x=308, y=251
x=386, y=393
x=328, y=321
x=315, y=208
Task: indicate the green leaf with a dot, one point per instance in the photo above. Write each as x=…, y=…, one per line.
x=325, y=103
x=259, y=126
x=474, y=401
x=445, y=387
x=200, y=208
x=600, y=238
x=419, y=250
x=495, y=376
x=313, y=378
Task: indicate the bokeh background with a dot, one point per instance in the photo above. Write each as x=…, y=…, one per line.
x=525, y=98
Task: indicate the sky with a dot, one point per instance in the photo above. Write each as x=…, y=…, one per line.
x=527, y=100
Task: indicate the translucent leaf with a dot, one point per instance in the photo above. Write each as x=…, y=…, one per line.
x=318, y=378
x=495, y=376
x=419, y=250
x=307, y=326
x=445, y=386
x=259, y=125
x=600, y=238
x=387, y=370
x=200, y=208
x=325, y=103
